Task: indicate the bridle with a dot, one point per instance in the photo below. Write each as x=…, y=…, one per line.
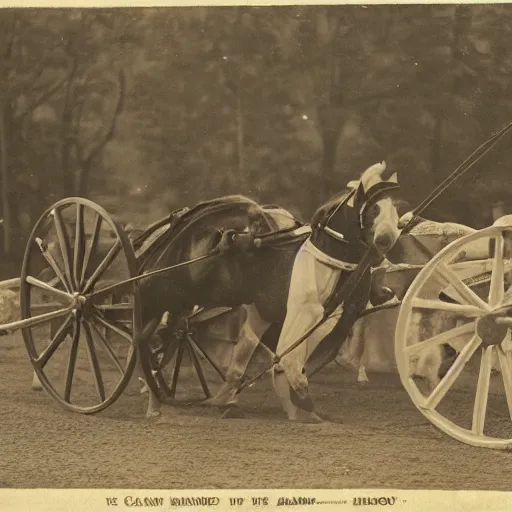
x=353, y=207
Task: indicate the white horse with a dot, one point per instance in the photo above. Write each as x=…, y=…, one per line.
x=314, y=278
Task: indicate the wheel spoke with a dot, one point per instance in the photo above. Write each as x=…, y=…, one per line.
x=124, y=306
x=53, y=264
x=176, y=371
x=107, y=261
x=54, y=282
x=92, y=247
x=439, y=339
x=45, y=305
x=199, y=369
x=438, y=305
x=113, y=327
x=462, y=289
x=65, y=249
x=45, y=286
x=451, y=376
x=505, y=359
x=57, y=340
x=209, y=359
x=78, y=254
x=36, y=320
x=505, y=320
x=70, y=371
x=497, y=287
x=93, y=362
x=108, y=348
x=482, y=391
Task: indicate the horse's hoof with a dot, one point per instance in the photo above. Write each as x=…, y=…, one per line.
x=144, y=388
x=309, y=419
x=301, y=400
x=163, y=420
x=167, y=415
x=213, y=402
x=326, y=418
x=233, y=412
x=363, y=384
x=152, y=414
x=218, y=402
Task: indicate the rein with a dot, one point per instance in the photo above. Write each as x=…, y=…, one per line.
x=351, y=284
x=467, y=164
x=341, y=293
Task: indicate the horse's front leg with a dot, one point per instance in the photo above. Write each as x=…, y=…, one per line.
x=289, y=376
x=250, y=335
x=360, y=352
x=311, y=285
x=154, y=404
x=362, y=377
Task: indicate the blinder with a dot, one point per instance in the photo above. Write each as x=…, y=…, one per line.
x=369, y=197
x=340, y=235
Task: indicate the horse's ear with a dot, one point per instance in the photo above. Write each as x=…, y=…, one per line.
x=359, y=195
x=353, y=185
x=393, y=178
x=372, y=176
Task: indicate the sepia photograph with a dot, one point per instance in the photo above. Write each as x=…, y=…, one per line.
x=256, y=247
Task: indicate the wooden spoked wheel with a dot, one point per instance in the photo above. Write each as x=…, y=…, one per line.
x=188, y=364
x=470, y=305
x=81, y=345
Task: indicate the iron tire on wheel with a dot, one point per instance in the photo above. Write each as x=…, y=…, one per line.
x=71, y=261
x=477, y=332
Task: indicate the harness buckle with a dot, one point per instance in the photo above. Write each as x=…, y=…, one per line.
x=335, y=234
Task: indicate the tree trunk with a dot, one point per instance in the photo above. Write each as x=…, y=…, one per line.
x=437, y=136
x=330, y=143
x=82, y=185
x=240, y=143
x=4, y=173
x=67, y=134
x=461, y=24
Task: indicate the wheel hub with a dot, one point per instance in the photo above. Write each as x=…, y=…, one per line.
x=489, y=328
x=81, y=304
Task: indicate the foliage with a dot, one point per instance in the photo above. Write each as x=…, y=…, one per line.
x=148, y=110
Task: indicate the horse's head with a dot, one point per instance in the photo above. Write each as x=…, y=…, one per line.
x=375, y=209
x=366, y=216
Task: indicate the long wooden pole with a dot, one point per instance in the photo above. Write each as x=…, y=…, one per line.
x=4, y=173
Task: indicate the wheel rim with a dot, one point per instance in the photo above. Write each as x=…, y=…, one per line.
x=86, y=360
x=468, y=403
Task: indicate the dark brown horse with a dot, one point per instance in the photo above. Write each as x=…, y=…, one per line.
x=249, y=273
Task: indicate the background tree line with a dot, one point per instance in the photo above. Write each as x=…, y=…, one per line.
x=148, y=110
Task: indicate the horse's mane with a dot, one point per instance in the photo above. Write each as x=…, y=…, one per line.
x=327, y=208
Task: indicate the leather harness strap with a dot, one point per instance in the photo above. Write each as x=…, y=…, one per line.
x=348, y=247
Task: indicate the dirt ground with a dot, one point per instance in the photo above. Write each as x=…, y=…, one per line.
x=383, y=441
